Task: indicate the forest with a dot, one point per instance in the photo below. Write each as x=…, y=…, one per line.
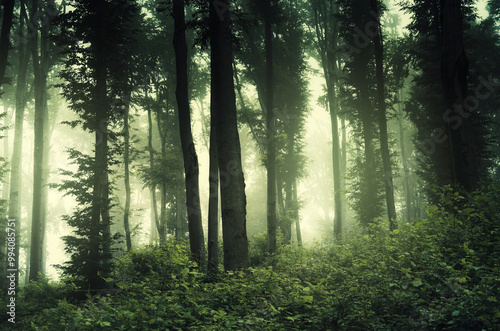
x=250, y=164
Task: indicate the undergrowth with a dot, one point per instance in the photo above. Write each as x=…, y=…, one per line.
x=437, y=273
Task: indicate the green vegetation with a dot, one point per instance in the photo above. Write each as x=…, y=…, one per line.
x=437, y=273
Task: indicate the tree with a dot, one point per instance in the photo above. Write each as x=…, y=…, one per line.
x=223, y=100
x=444, y=157
x=98, y=34
x=326, y=28
x=454, y=70
x=358, y=49
x=272, y=223
x=191, y=170
x=126, y=165
x=8, y=15
x=14, y=207
x=382, y=121
x=41, y=66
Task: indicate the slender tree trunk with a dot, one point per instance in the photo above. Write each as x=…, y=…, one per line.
x=14, y=207
x=8, y=15
x=99, y=194
x=41, y=68
x=272, y=223
x=296, y=214
x=382, y=121
x=155, y=225
x=343, y=166
x=233, y=199
x=196, y=237
x=179, y=228
x=406, y=179
x=162, y=229
x=5, y=186
x=327, y=45
x=213, y=202
x=287, y=220
x=162, y=226
x=126, y=162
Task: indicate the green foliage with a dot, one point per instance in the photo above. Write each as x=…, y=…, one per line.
x=79, y=184
x=437, y=273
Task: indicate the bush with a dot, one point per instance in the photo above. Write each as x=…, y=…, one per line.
x=437, y=273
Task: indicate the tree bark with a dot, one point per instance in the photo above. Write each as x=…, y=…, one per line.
x=272, y=223
x=382, y=120
x=327, y=34
x=454, y=70
x=233, y=199
x=41, y=68
x=100, y=201
x=14, y=207
x=155, y=224
x=8, y=15
x=126, y=162
x=213, y=202
x=404, y=158
x=191, y=169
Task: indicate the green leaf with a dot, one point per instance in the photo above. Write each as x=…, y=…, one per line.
x=455, y=313
x=308, y=298
x=417, y=282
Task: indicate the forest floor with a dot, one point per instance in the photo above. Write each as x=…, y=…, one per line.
x=438, y=273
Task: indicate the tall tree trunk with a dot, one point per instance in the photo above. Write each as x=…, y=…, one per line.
x=272, y=223
x=5, y=186
x=287, y=219
x=126, y=162
x=41, y=68
x=382, y=121
x=179, y=228
x=162, y=226
x=296, y=213
x=14, y=208
x=155, y=224
x=213, y=202
x=233, y=199
x=196, y=237
x=100, y=201
x=327, y=35
x=8, y=15
x=406, y=179
x=368, y=204
x=454, y=70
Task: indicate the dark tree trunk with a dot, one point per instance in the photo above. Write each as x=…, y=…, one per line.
x=162, y=223
x=41, y=69
x=196, y=237
x=454, y=70
x=126, y=162
x=382, y=120
x=155, y=224
x=327, y=34
x=14, y=206
x=233, y=199
x=369, y=192
x=270, y=127
x=8, y=14
x=404, y=158
x=5, y=188
x=296, y=214
x=99, y=198
x=213, y=202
